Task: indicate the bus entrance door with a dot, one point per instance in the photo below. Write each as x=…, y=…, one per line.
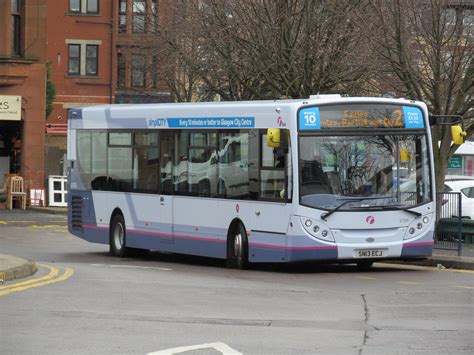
x=165, y=213
x=166, y=187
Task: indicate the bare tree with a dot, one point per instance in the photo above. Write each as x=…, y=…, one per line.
x=424, y=50
x=259, y=49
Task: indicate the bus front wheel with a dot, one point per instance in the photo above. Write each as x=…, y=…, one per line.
x=237, y=248
x=118, y=237
x=364, y=265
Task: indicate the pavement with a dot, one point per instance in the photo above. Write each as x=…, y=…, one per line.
x=12, y=267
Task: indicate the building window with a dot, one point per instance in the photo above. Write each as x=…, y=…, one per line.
x=139, y=7
x=83, y=57
x=155, y=72
x=154, y=16
x=122, y=16
x=74, y=5
x=74, y=66
x=93, y=6
x=138, y=70
x=92, y=54
x=84, y=6
x=120, y=70
x=16, y=27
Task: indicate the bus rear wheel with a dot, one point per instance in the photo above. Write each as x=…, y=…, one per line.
x=118, y=237
x=237, y=248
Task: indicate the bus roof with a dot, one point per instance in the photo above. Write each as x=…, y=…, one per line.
x=212, y=115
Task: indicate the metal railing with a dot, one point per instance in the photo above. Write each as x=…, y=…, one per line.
x=448, y=231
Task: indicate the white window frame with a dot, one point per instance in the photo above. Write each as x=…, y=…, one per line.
x=83, y=44
x=83, y=8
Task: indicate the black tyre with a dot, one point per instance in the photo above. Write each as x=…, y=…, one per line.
x=237, y=248
x=364, y=265
x=118, y=237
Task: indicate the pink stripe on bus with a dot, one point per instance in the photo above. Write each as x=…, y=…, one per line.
x=291, y=248
x=94, y=227
x=417, y=244
x=178, y=236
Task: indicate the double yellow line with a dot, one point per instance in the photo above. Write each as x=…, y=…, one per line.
x=53, y=277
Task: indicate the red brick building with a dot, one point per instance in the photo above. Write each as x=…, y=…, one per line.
x=80, y=54
x=22, y=75
x=97, y=53
x=92, y=51
x=137, y=51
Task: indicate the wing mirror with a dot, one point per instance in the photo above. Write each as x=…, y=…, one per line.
x=458, y=135
x=273, y=137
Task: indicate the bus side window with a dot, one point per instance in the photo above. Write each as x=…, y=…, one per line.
x=273, y=168
x=84, y=157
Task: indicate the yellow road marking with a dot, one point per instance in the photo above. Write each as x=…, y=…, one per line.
x=53, y=272
x=34, y=283
x=417, y=267
x=51, y=226
x=408, y=283
x=365, y=278
x=468, y=287
x=14, y=221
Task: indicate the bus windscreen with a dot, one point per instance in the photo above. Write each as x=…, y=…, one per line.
x=382, y=169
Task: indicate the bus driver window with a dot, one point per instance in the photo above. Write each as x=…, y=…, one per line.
x=274, y=156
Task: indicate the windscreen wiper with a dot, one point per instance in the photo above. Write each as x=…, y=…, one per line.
x=395, y=207
x=325, y=215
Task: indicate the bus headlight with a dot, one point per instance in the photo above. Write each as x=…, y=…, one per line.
x=418, y=227
x=317, y=229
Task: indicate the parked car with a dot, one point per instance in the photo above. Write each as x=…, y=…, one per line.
x=449, y=207
x=466, y=188
x=458, y=178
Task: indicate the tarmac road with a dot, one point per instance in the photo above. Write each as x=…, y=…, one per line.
x=84, y=301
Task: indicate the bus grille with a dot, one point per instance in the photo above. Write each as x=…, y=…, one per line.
x=76, y=212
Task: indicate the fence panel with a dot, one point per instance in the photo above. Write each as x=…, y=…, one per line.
x=448, y=233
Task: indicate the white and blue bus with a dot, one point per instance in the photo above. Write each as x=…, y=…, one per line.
x=329, y=178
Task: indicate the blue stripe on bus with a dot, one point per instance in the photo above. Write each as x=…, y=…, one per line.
x=421, y=249
x=213, y=246
x=270, y=253
x=202, y=244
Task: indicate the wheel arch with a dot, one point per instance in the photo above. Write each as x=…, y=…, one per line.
x=233, y=224
x=238, y=260
x=115, y=212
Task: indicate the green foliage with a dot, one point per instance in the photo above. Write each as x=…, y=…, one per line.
x=50, y=91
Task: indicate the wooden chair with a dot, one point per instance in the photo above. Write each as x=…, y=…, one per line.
x=16, y=192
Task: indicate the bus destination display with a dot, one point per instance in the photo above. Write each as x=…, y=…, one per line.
x=360, y=116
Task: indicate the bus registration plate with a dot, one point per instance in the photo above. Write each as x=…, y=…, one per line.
x=369, y=253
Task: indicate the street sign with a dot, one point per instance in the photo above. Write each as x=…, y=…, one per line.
x=10, y=108
x=455, y=162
